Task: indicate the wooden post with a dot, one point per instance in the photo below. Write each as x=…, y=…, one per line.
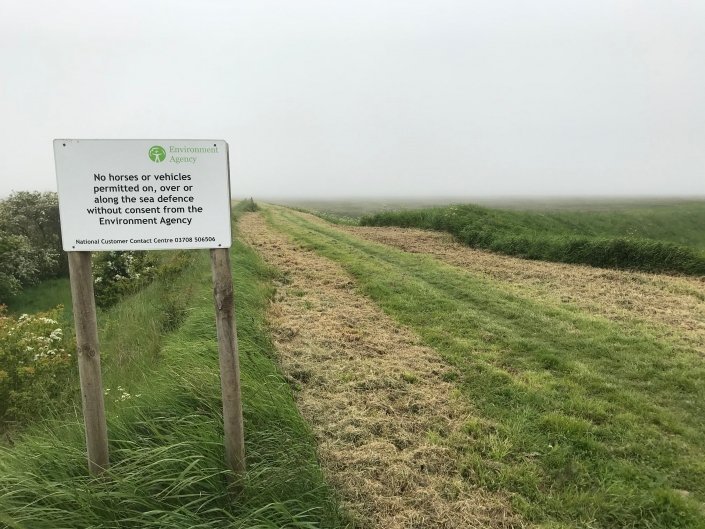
x=84, y=317
x=229, y=362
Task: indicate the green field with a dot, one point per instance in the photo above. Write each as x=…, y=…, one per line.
x=666, y=237
x=587, y=422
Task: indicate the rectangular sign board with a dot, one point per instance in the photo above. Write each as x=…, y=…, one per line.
x=143, y=194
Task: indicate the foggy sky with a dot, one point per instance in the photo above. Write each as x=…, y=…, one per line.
x=370, y=97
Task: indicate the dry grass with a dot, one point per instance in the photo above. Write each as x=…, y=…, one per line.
x=676, y=303
x=375, y=397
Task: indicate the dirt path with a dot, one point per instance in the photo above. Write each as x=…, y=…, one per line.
x=374, y=396
x=678, y=303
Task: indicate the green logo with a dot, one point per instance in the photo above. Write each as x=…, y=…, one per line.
x=157, y=153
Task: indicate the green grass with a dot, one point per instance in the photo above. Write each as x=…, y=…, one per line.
x=583, y=421
x=44, y=296
x=349, y=210
x=654, y=238
x=166, y=448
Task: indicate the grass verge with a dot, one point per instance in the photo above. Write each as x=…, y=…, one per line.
x=586, y=422
x=165, y=433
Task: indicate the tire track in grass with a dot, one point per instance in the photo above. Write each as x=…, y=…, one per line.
x=377, y=399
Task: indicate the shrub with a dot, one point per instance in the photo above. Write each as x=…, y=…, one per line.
x=249, y=205
x=35, y=216
x=119, y=273
x=18, y=265
x=30, y=241
x=36, y=365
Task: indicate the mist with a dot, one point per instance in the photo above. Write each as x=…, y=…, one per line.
x=370, y=99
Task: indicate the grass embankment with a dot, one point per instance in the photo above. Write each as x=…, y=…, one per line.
x=668, y=238
x=165, y=426
x=44, y=296
x=585, y=422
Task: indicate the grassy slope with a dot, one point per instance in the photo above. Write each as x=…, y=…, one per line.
x=44, y=296
x=655, y=238
x=587, y=423
x=166, y=437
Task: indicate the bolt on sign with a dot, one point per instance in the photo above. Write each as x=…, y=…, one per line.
x=143, y=194
x=147, y=195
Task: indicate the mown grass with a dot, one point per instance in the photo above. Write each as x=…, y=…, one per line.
x=668, y=238
x=165, y=429
x=584, y=421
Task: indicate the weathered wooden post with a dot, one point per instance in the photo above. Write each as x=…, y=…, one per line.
x=229, y=361
x=147, y=195
x=84, y=316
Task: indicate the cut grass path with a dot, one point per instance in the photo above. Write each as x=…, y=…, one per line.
x=587, y=423
x=374, y=396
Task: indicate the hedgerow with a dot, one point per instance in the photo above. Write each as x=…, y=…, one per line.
x=568, y=238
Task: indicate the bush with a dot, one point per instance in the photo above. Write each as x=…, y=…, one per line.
x=30, y=241
x=119, y=273
x=249, y=205
x=35, y=216
x=18, y=264
x=36, y=365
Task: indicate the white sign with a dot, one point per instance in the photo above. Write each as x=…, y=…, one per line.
x=143, y=194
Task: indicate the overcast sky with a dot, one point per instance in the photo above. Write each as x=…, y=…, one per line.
x=372, y=97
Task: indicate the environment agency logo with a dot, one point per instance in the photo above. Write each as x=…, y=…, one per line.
x=157, y=153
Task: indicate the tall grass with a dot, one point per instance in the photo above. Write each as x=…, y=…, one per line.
x=42, y=297
x=165, y=431
x=653, y=239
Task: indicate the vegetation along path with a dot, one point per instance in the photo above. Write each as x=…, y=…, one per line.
x=581, y=417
